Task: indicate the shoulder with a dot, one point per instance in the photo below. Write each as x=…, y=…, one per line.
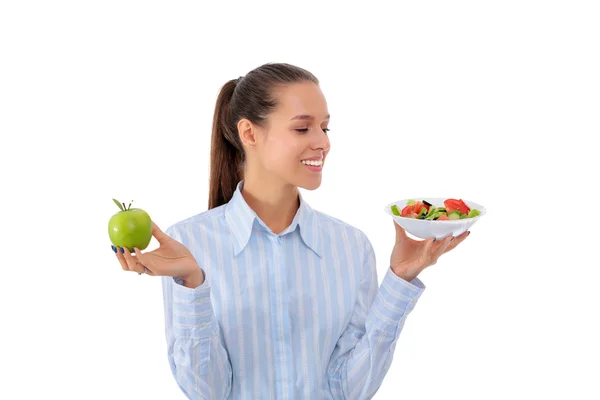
x=334, y=226
x=185, y=229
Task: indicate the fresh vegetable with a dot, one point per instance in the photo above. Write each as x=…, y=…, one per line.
x=453, y=204
x=454, y=215
x=422, y=213
x=454, y=209
x=473, y=213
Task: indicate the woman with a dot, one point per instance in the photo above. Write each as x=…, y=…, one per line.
x=265, y=297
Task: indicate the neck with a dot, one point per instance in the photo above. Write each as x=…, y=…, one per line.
x=275, y=204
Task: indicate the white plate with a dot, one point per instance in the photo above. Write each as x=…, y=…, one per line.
x=425, y=229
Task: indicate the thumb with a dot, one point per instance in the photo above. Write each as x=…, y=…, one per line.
x=158, y=234
x=400, y=232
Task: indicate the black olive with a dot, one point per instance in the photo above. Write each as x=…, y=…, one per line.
x=423, y=216
x=435, y=218
x=427, y=203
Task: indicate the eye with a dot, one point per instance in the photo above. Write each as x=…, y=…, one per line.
x=306, y=129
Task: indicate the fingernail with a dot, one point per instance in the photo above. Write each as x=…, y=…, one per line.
x=114, y=249
x=122, y=251
x=452, y=238
x=468, y=233
x=434, y=240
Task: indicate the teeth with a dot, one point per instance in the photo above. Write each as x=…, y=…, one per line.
x=314, y=163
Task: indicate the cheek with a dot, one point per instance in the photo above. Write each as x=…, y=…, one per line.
x=282, y=154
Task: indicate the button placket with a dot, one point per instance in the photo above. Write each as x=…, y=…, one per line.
x=284, y=376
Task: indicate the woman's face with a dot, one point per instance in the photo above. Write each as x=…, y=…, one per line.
x=296, y=136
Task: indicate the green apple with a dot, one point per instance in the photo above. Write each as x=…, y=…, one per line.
x=130, y=227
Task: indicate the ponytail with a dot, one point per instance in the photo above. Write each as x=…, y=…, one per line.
x=250, y=97
x=225, y=157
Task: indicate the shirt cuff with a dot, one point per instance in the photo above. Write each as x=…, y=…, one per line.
x=192, y=310
x=395, y=299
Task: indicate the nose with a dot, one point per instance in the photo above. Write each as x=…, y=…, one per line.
x=321, y=141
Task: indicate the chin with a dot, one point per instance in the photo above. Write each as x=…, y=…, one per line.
x=310, y=185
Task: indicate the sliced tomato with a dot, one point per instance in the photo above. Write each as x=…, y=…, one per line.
x=415, y=208
x=442, y=218
x=418, y=206
x=454, y=204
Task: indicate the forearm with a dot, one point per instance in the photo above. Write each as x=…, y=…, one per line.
x=358, y=367
x=360, y=373
x=201, y=367
x=199, y=361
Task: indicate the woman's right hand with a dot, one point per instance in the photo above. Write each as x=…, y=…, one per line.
x=171, y=258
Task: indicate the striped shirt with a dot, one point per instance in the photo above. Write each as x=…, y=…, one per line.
x=294, y=315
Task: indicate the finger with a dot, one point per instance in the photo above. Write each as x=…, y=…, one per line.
x=132, y=262
x=457, y=240
x=160, y=236
x=428, y=250
x=429, y=245
x=143, y=260
x=400, y=232
x=442, y=246
x=122, y=260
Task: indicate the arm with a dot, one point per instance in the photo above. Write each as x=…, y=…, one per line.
x=365, y=350
x=198, y=360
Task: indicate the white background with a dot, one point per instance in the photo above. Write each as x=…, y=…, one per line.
x=494, y=102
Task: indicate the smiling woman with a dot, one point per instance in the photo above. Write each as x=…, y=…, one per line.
x=264, y=296
x=279, y=112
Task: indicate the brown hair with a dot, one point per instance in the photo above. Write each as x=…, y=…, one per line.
x=250, y=97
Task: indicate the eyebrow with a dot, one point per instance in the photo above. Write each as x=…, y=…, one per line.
x=309, y=117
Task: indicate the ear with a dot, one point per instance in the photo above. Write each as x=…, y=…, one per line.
x=247, y=132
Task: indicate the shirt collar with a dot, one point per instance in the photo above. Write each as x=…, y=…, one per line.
x=240, y=219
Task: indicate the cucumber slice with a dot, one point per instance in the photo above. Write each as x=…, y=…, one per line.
x=454, y=215
x=395, y=210
x=410, y=202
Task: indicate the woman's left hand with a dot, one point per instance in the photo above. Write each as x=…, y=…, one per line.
x=410, y=256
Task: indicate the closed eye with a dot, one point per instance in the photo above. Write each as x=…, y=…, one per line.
x=306, y=129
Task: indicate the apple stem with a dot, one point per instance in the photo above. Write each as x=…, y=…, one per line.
x=124, y=206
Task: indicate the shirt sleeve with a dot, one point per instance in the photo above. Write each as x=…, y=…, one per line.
x=199, y=362
x=364, y=352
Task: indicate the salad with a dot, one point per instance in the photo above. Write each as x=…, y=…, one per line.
x=453, y=209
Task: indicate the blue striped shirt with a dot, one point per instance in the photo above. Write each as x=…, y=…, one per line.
x=294, y=315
